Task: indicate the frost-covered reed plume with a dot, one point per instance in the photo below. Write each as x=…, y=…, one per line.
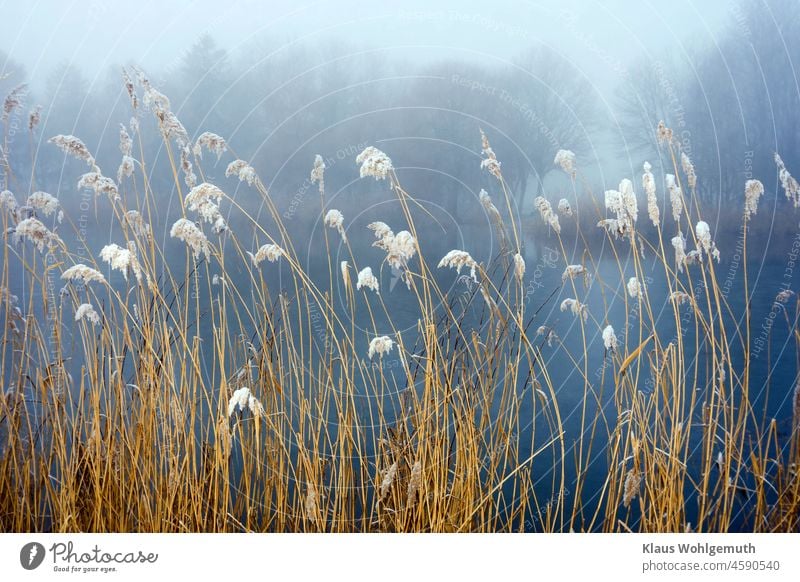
x=380, y=345
x=649, y=185
x=74, y=147
x=268, y=252
x=490, y=162
x=186, y=231
x=242, y=170
x=457, y=260
x=573, y=271
x=688, y=169
x=13, y=101
x=84, y=274
x=335, y=219
x=8, y=203
x=86, y=311
x=610, y=339
x=367, y=279
x=564, y=207
x=566, y=159
x=212, y=142
x=374, y=163
x=704, y=242
x=753, y=190
x=242, y=399
x=576, y=307
x=519, y=267
x=99, y=184
x=634, y=288
x=623, y=204
x=675, y=196
x=33, y=230
x=789, y=184
x=400, y=248
x=204, y=199
x=46, y=203
x=318, y=173
x=679, y=243
x=546, y=211
x=388, y=479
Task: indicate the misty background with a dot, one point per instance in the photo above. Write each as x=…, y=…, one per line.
x=284, y=81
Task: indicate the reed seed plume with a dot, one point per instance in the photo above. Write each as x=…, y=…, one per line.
x=380, y=345
x=87, y=312
x=374, y=163
x=566, y=159
x=457, y=260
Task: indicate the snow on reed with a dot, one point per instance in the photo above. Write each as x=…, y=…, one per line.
x=566, y=159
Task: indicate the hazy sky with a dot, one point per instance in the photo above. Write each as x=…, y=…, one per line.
x=601, y=37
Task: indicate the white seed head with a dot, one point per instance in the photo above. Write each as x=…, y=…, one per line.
x=457, y=260
x=86, y=311
x=366, y=279
x=374, y=163
x=610, y=339
x=380, y=345
x=566, y=159
x=269, y=252
x=186, y=231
